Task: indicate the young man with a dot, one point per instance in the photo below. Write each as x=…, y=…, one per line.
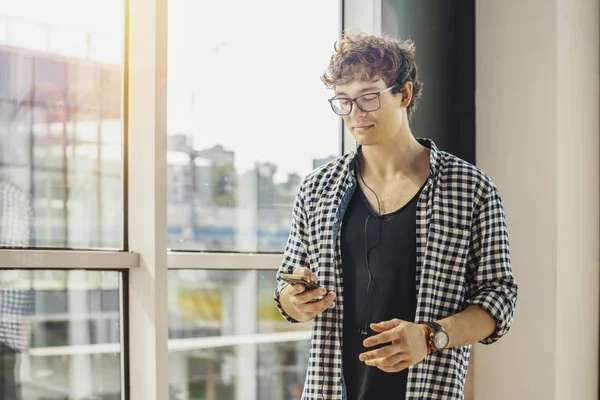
x=410, y=242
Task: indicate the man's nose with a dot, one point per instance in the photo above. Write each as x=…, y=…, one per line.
x=356, y=111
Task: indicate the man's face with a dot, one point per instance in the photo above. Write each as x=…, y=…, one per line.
x=372, y=127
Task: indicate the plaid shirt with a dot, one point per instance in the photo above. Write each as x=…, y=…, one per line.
x=16, y=216
x=15, y=305
x=462, y=259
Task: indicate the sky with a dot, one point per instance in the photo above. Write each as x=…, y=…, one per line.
x=241, y=73
x=246, y=74
x=60, y=26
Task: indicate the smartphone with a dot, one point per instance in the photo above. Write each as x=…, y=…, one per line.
x=300, y=280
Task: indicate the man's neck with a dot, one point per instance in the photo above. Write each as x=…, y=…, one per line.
x=402, y=157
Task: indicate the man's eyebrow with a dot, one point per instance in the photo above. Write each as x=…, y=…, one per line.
x=372, y=89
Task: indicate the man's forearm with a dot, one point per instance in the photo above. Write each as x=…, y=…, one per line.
x=468, y=326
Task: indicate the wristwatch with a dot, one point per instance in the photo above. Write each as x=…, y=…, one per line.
x=438, y=338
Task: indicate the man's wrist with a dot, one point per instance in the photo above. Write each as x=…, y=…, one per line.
x=436, y=337
x=278, y=292
x=281, y=304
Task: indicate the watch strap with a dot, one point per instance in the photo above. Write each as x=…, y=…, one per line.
x=433, y=328
x=428, y=333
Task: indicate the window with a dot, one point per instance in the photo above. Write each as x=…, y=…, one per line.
x=228, y=339
x=61, y=186
x=247, y=118
x=236, y=104
x=61, y=162
x=60, y=334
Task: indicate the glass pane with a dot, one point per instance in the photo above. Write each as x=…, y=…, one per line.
x=61, y=140
x=228, y=340
x=247, y=118
x=60, y=335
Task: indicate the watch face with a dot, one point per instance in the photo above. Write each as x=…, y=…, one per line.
x=440, y=340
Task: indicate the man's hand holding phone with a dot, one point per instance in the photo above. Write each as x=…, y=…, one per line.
x=303, y=299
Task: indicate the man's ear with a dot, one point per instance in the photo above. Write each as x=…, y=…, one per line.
x=406, y=94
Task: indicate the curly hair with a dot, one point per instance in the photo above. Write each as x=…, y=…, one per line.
x=369, y=57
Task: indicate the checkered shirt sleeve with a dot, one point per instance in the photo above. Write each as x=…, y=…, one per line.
x=295, y=254
x=491, y=284
x=16, y=215
x=15, y=304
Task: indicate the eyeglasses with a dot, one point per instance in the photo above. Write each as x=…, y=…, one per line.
x=366, y=102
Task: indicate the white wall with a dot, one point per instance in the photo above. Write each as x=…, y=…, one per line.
x=537, y=137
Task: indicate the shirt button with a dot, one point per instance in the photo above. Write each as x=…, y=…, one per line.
x=335, y=220
x=351, y=184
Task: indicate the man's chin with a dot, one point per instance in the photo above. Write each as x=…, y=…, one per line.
x=365, y=141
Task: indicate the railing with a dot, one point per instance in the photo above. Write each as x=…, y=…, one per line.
x=175, y=345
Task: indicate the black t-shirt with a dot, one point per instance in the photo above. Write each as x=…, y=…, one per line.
x=391, y=241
